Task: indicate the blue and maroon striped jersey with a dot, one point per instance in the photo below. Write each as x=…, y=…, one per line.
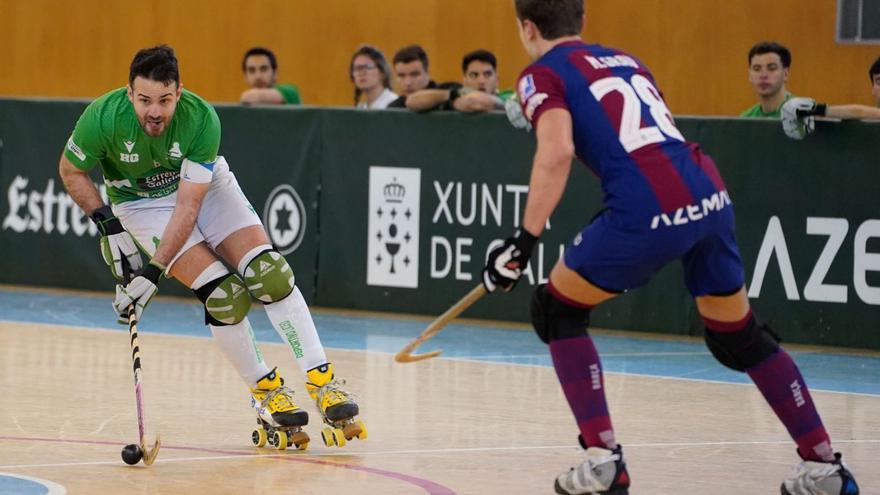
x=624, y=133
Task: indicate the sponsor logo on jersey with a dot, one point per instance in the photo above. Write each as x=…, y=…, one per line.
x=284, y=217
x=129, y=145
x=175, y=152
x=692, y=213
x=129, y=157
x=75, y=149
x=534, y=102
x=159, y=181
x=527, y=88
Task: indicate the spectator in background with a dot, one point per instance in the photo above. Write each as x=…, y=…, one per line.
x=874, y=74
x=371, y=76
x=477, y=93
x=798, y=113
x=260, y=71
x=769, y=64
x=411, y=70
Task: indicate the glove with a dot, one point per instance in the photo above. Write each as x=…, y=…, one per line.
x=505, y=264
x=116, y=243
x=797, y=116
x=515, y=115
x=138, y=292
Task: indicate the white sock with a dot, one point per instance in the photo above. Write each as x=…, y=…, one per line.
x=237, y=341
x=293, y=322
x=238, y=344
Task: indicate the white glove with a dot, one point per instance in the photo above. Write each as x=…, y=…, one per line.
x=797, y=117
x=138, y=292
x=515, y=114
x=116, y=243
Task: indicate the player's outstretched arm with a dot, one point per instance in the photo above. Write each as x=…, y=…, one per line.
x=852, y=112
x=80, y=186
x=550, y=168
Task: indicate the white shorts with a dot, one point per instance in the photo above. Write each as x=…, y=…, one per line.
x=225, y=210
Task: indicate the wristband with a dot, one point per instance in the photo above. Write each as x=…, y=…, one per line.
x=106, y=222
x=820, y=109
x=153, y=271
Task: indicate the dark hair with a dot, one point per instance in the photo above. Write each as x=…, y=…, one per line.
x=482, y=56
x=156, y=64
x=875, y=69
x=771, y=47
x=259, y=50
x=378, y=58
x=554, y=18
x=411, y=53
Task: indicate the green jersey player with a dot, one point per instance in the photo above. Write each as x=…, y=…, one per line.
x=175, y=198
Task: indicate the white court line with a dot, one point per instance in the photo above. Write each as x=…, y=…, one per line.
x=629, y=446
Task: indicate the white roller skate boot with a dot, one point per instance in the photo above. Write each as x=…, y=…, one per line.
x=604, y=472
x=337, y=407
x=279, y=419
x=820, y=478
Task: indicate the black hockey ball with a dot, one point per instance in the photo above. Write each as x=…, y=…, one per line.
x=132, y=454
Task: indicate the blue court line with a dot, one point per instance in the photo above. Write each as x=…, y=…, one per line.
x=823, y=370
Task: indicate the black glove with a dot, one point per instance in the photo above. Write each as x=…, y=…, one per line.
x=505, y=264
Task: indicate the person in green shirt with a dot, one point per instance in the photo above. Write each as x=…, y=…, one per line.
x=260, y=69
x=769, y=64
x=173, y=197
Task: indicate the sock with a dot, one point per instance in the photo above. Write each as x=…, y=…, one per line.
x=293, y=322
x=580, y=373
x=783, y=387
x=239, y=346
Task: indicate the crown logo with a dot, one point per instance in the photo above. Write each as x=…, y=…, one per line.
x=394, y=191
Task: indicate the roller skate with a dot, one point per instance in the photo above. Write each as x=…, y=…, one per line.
x=820, y=478
x=336, y=406
x=279, y=419
x=603, y=473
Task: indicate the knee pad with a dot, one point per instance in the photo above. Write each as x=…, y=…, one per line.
x=743, y=349
x=269, y=277
x=554, y=319
x=226, y=300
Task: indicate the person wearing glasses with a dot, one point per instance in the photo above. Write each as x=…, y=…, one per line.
x=371, y=76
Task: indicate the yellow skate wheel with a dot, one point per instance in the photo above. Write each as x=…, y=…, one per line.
x=259, y=437
x=280, y=440
x=328, y=437
x=363, y=434
x=300, y=439
x=339, y=437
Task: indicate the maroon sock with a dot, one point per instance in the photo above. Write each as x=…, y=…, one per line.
x=580, y=374
x=783, y=387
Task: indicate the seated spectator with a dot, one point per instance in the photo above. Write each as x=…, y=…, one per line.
x=769, y=64
x=260, y=71
x=411, y=70
x=798, y=113
x=371, y=76
x=478, y=93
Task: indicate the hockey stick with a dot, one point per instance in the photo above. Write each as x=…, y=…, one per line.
x=406, y=354
x=148, y=455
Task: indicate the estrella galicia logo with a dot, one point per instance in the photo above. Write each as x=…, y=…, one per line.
x=285, y=218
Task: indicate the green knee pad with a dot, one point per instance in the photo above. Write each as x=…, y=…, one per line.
x=269, y=277
x=226, y=300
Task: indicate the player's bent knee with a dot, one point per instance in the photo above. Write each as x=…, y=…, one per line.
x=269, y=277
x=553, y=319
x=743, y=349
x=226, y=300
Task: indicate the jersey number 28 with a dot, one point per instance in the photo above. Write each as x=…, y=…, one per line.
x=635, y=92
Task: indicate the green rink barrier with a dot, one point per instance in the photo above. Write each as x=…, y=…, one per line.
x=395, y=211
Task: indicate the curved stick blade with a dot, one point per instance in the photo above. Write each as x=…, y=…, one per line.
x=406, y=354
x=150, y=456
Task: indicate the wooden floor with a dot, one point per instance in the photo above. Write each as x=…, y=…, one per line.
x=438, y=427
